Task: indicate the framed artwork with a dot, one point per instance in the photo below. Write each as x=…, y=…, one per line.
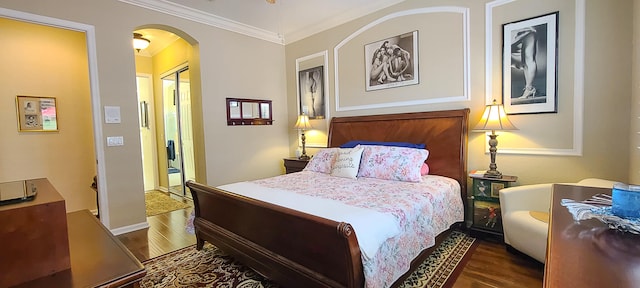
x=495, y=188
x=529, y=60
x=36, y=114
x=312, y=101
x=392, y=62
x=482, y=189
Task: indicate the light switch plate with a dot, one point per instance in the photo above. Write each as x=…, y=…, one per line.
x=111, y=114
x=115, y=141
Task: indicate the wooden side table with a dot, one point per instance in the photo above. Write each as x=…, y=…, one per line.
x=487, y=216
x=588, y=253
x=293, y=164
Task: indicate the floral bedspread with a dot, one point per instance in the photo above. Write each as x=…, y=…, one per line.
x=423, y=209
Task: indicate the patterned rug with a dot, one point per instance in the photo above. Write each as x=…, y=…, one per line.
x=210, y=267
x=159, y=202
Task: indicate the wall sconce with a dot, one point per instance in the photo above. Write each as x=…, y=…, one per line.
x=303, y=124
x=494, y=118
x=139, y=42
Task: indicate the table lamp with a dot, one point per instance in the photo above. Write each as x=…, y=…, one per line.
x=494, y=118
x=303, y=124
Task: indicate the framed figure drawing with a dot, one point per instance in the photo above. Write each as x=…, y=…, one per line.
x=311, y=83
x=392, y=62
x=36, y=114
x=529, y=60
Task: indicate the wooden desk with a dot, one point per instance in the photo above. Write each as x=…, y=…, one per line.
x=98, y=259
x=588, y=253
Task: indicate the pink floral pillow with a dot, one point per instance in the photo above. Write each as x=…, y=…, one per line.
x=322, y=161
x=392, y=163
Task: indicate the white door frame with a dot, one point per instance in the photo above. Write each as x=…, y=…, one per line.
x=89, y=31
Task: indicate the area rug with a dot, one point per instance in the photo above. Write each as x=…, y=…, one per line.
x=158, y=202
x=211, y=267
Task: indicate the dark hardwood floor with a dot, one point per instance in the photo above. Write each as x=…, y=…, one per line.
x=491, y=265
x=166, y=233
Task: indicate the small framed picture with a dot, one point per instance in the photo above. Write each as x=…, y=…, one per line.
x=529, y=59
x=312, y=102
x=36, y=114
x=495, y=188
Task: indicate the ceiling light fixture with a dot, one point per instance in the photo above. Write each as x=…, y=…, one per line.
x=271, y=1
x=139, y=42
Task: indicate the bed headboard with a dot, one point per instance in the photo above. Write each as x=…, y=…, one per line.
x=443, y=132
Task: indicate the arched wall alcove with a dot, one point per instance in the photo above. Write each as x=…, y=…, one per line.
x=182, y=52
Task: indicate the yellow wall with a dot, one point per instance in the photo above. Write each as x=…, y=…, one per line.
x=43, y=61
x=607, y=82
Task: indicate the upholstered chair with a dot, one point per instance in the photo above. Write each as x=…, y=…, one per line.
x=525, y=215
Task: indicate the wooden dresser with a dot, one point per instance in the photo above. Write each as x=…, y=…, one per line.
x=588, y=253
x=33, y=236
x=98, y=259
x=43, y=246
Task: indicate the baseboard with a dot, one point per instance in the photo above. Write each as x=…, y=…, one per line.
x=130, y=228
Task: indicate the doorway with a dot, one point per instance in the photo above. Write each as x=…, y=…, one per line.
x=176, y=97
x=144, y=84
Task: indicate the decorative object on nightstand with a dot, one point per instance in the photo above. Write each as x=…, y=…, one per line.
x=303, y=124
x=485, y=202
x=494, y=118
x=294, y=164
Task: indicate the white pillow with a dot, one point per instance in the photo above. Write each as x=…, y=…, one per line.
x=347, y=162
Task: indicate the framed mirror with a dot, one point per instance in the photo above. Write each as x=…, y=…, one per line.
x=248, y=112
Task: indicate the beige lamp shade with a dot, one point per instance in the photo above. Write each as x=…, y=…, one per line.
x=494, y=118
x=303, y=123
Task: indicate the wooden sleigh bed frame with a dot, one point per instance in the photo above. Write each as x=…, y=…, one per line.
x=296, y=249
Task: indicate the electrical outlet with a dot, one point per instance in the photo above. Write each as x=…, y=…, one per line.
x=115, y=141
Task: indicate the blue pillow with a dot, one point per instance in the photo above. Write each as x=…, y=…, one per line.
x=355, y=143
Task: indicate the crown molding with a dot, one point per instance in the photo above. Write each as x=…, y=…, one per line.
x=189, y=13
x=339, y=19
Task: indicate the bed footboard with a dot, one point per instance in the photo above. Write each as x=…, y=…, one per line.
x=292, y=248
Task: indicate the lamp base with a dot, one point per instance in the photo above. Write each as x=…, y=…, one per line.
x=304, y=157
x=493, y=174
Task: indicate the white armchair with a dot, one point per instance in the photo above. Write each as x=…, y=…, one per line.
x=525, y=215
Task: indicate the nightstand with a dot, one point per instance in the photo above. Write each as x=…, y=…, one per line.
x=293, y=164
x=485, y=203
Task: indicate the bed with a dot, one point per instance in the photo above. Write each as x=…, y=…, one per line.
x=297, y=249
